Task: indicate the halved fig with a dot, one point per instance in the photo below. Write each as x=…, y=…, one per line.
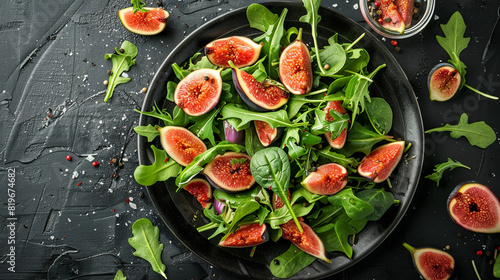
x=328, y=179
x=295, y=69
x=405, y=9
x=380, y=163
x=432, y=264
x=201, y=190
x=199, y=91
x=264, y=96
x=444, y=81
x=181, y=144
x=240, y=50
x=266, y=133
x=151, y=22
x=390, y=17
x=307, y=240
x=248, y=235
x=230, y=172
x=339, y=142
x=475, y=207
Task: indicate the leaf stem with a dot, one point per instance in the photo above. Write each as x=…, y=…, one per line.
x=355, y=42
x=475, y=270
x=480, y=92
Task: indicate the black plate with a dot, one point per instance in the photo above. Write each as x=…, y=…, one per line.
x=178, y=209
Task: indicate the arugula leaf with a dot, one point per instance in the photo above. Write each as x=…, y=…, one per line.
x=362, y=140
x=440, y=168
x=148, y=131
x=321, y=125
x=122, y=61
x=274, y=119
x=241, y=212
x=161, y=170
x=138, y=6
x=270, y=167
x=196, y=166
x=313, y=18
x=478, y=133
x=119, y=276
x=337, y=158
x=295, y=102
x=204, y=126
x=272, y=45
x=146, y=244
x=159, y=114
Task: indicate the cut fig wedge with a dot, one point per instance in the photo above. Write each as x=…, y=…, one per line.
x=339, y=142
x=242, y=51
x=248, y=235
x=390, y=18
x=151, y=22
x=475, y=207
x=432, y=264
x=379, y=164
x=201, y=190
x=181, y=144
x=328, y=179
x=267, y=135
x=295, y=69
x=230, y=172
x=444, y=81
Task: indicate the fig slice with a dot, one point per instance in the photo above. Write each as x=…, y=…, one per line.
x=151, y=22
x=405, y=9
x=267, y=135
x=379, y=164
x=181, y=144
x=230, y=172
x=264, y=96
x=242, y=51
x=328, y=179
x=248, y=235
x=390, y=18
x=432, y=264
x=199, y=91
x=475, y=207
x=444, y=81
x=201, y=190
x=339, y=142
x=295, y=69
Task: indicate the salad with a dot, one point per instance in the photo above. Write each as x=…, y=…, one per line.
x=282, y=173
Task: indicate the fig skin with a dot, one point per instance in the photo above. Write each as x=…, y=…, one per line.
x=444, y=81
x=242, y=51
x=475, y=207
x=181, y=144
x=201, y=190
x=262, y=127
x=234, y=172
x=378, y=166
x=432, y=264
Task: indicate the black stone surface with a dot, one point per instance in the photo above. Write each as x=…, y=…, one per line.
x=51, y=106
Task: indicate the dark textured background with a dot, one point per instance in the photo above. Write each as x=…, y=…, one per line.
x=51, y=106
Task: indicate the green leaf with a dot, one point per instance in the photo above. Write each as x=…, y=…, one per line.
x=362, y=140
x=148, y=131
x=272, y=45
x=252, y=142
x=295, y=102
x=380, y=114
x=313, y=18
x=259, y=17
x=454, y=31
x=196, y=166
x=336, y=126
x=336, y=239
x=337, y=157
x=478, y=133
x=204, y=126
x=138, y=6
x=355, y=207
x=159, y=114
x=274, y=119
x=380, y=199
x=119, y=276
x=334, y=56
x=242, y=211
x=496, y=268
x=122, y=61
x=146, y=244
x=161, y=170
x=440, y=168
x=290, y=262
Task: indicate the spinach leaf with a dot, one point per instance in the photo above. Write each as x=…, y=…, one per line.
x=380, y=199
x=196, y=166
x=478, y=133
x=338, y=85
x=179, y=117
x=171, y=86
x=380, y=115
x=122, y=61
x=204, y=126
x=496, y=268
x=148, y=131
x=270, y=167
x=355, y=207
x=259, y=17
x=325, y=215
x=161, y=170
x=362, y=140
x=146, y=244
x=357, y=60
x=335, y=239
x=119, y=276
x=313, y=18
x=252, y=142
x=440, y=168
x=274, y=119
x=290, y=262
x=235, y=199
x=332, y=55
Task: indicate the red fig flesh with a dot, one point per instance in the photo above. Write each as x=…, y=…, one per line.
x=432, y=264
x=337, y=143
x=201, y=190
x=150, y=22
x=240, y=50
x=390, y=18
x=199, y=91
x=328, y=179
x=230, y=172
x=444, y=81
x=475, y=207
x=181, y=144
x=266, y=133
x=248, y=235
x=380, y=163
x=295, y=69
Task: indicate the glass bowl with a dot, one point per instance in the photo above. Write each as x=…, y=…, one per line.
x=424, y=13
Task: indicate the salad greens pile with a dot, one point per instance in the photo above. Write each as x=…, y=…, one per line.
x=340, y=74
